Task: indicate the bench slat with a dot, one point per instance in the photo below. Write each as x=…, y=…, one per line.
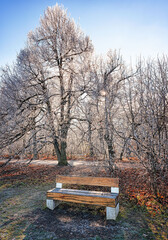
x=81, y=196
x=84, y=192
x=93, y=181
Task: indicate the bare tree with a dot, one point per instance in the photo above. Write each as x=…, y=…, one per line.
x=12, y=117
x=101, y=106
x=147, y=115
x=47, y=71
x=112, y=73
x=60, y=44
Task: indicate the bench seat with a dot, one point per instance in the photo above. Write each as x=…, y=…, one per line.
x=83, y=196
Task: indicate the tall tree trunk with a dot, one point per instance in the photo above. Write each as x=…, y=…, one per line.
x=35, y=154
x=54, y=136
x=91, y=152
x=64, y=129
x=63, y=159
x=59, y=149
x=101, y=139
x=111, y=152
x=109, y=136
x=56, y=147
x=63, y=145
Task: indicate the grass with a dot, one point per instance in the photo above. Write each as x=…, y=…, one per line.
x=25, y=216
x=16, y=203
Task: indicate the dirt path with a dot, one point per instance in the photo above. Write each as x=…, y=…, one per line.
x=93, y=163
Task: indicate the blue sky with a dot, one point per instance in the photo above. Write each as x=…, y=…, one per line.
x=136, y=27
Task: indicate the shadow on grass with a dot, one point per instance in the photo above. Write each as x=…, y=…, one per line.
x=77, y=221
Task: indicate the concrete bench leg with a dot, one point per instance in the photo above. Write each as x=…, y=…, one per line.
x=51, y=204
x=111, y=213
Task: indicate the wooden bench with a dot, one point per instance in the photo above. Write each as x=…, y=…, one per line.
x=107, y=199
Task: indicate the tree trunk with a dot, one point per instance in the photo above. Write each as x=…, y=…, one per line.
x=54, y=136
x=56, y=147
x=91, y=152
x=60, y=150
x=111, y=154
x=35, y=154
x=101, y=139
x=63, y=158
x=62, y=161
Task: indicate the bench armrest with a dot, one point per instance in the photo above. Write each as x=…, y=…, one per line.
x=114, y=190
x=58, y=185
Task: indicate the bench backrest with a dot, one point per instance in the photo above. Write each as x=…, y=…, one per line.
x=93, y=181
